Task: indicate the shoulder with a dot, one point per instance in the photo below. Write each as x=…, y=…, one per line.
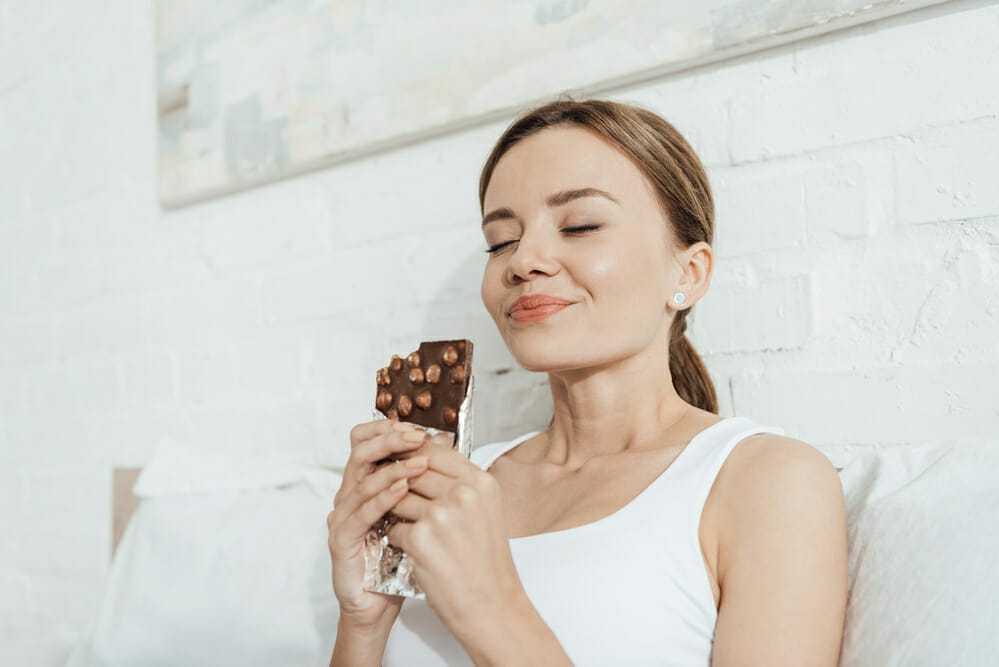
x=764, y=458
x=774, y=488
x=782, y=552
x=768, y=477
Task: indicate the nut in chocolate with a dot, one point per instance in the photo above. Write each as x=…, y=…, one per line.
x=428, y=386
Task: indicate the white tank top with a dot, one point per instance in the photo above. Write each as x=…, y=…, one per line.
x=629, y=589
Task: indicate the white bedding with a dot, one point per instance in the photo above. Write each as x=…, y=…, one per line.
x=225, y=562
x=924, y=533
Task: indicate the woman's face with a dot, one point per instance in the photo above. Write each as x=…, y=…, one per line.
x=607, y=256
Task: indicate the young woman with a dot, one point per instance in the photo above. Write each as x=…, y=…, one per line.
x=639, y=528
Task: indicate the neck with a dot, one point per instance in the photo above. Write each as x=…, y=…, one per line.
x=607, y=410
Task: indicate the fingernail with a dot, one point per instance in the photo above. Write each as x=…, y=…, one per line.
x=402, y=426
x=399, y=485
x=416, y=462
x=414, y=436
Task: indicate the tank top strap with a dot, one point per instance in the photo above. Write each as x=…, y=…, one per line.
x=485, y=455
x=701, y=468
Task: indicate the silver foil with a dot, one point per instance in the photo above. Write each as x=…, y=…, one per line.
x=387, y=568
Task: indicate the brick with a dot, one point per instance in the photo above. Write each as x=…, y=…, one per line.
x=110, y=326
x=97, y=224
x=214, y=312
x=29, y=440
x=98, y=385
x=57, y=546
x=286, y=428
x=774, y=315
x=950, y=180
x=524, y=394
x=15, y=591
x=26, y=343
x=368, y=208
x=267, y=368
x=72, y=282
x=870, y=303
x=848, y=196
x=206, y=375
x=268, y=230
x=873, y=405
x=20, y=294
x=51, y=392
x=166, y=262
x=758, y=208
x=13, y=497
x=342, y=360
x=697, y=101
x=126, y=439
x=76, y=492
x=66, y=601
x=312, y=293
x=836, y=102
x=25, y=245
x=149, y=377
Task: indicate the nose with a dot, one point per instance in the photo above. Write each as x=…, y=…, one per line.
x=531, y=258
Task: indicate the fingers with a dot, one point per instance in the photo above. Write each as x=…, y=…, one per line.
x=369, y=430
x=378, y=494
x=445, y=460
x=390, y=442
x=431, y=484
x=412, y=506
x=438, y=441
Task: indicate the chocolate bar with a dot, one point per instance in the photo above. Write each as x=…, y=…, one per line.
x=432, y=387
x=428, y=386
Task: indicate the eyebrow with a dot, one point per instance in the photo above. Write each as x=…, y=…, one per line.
x=555, y=199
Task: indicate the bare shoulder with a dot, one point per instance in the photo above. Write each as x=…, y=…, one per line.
x=765, y=458
x=772, y=478
x=782, y=554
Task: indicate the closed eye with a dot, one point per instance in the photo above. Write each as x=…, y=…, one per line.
x=581, y=229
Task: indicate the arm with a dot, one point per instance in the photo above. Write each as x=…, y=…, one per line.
x=782, y=557
x=517, y=636
x=358, y=646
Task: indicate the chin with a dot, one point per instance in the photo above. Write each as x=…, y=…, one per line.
x=550, y=361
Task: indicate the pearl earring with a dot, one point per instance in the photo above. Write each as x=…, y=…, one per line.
x=678, y=298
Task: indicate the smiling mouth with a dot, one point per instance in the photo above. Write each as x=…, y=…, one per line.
x=538, y=313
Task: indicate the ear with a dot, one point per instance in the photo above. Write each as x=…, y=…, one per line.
x=696, y=263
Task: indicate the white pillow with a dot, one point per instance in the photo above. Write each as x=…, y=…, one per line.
x=235, y=577
x=923, y=527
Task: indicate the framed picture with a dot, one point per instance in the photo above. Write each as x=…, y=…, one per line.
x=252, y=91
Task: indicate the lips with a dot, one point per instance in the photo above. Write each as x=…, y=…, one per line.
x=534, y=301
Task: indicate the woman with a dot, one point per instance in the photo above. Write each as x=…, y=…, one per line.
x=633, y=530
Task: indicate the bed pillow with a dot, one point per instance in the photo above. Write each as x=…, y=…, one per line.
x=233, y=577
x=923, y=526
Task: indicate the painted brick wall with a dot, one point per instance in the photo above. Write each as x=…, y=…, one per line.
x=855, y=299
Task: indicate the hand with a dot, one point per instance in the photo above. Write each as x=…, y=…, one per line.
x=364, y=496
x=457, y=539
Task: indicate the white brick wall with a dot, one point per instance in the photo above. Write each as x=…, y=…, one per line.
x=855, y=299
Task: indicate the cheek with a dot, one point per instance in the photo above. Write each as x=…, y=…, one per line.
x=614, y=272
x=491, y=290
x=625, y=278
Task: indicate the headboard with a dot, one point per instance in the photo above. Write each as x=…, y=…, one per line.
x=123, y=502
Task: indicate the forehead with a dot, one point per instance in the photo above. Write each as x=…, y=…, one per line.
x=559, y=158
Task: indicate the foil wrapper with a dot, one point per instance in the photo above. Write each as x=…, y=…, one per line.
x=387, y=568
